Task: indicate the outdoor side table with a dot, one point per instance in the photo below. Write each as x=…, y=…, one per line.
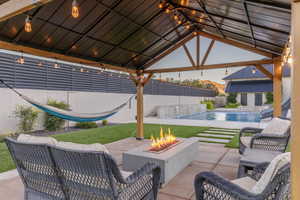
x=252, y=157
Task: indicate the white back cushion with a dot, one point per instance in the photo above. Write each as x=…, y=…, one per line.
x=36, y=139
x=277, y=126
x=82, y=147
x=289, y=114
x=278, y=162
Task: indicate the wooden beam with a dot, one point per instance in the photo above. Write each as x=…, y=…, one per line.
x=212, y=42
x=146, y=80
x=277, y=88
x=237, y=44
x=198, y=50
x=264, y=71
x=295, y=136
x=213, y=66
x=170, y=50
x=47, y=54
x=13, y=8
x=189, y=55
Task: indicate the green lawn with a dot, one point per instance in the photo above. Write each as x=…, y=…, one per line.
x=105, y=135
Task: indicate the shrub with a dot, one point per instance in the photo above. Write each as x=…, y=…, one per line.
x=51, y=122
x=269, y=96
x=232, y=105
x=86, y=125
x=209, y=104
x=4, y=135
x=104, y=122
x=27, y=117
x=231, y=98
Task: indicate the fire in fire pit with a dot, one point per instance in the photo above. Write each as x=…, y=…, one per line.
x=164, y=142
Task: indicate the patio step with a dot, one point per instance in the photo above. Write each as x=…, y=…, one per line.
x=219, y=132
x=215, y=136
x=213, y=140
x=225, y=130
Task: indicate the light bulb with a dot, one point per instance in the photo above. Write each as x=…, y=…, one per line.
x=195, y=33
x=75, y=9
x=187, y=26
x=253, y=71
x=226, y=72
x=179, y=22
x=290, y=60
x=193, y=12
x=27, y=26
x=175, y=17
x=22, y=60
x=167, y=10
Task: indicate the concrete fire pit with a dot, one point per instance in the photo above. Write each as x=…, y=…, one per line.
x=171, y=161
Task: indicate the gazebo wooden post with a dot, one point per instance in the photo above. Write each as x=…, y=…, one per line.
x=295, y=100
x=140, y=81
x=277, y=88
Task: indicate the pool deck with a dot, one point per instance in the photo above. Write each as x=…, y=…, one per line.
x=211, y=157
x=205, y=123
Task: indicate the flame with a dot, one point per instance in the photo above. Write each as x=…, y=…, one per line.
x=163, y=141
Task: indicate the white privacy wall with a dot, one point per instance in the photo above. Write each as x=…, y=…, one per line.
x=88, y=102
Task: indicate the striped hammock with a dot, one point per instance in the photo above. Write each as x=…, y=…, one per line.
x=70, y=115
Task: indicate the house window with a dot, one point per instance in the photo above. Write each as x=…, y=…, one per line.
x=244, y=99
x=258, y=99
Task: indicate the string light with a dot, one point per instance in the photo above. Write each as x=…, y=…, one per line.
x=195, y=33
x=226, y=71
x=176, y=17
x=167, y=10
x=160, y=5
x=75, y=9
x=56, y=65
x=27, y=26
x=21, y=60
x=253, y=70
x=40, y=64
x=179, y=22
x=193, y=12
x=290, y=60
x=187, y=26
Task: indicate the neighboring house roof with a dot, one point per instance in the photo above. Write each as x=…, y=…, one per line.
x=246, y=73
x=249, y=86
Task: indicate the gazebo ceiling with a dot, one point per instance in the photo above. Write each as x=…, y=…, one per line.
x=131, y=33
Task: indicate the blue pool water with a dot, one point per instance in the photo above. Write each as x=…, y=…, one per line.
x=224, y=116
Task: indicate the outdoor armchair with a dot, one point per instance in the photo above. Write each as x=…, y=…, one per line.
x=257, y=139
x=209, y=186
x=55, y=173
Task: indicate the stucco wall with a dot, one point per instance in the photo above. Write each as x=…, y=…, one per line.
x=85, y=102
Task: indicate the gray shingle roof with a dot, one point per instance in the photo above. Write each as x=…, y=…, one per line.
x=249, y=86
x=246, y=73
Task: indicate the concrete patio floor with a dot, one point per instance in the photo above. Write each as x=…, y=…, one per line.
x=211, y=157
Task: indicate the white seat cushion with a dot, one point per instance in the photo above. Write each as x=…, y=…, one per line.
x=246, y=183
x=278, y=162
x=289, y=114
x=126, y=174
x=36, y=139
x=277, y=126
x=246, y=140
x=82, y=147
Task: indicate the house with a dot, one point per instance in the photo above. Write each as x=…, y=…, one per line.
x=251, y=85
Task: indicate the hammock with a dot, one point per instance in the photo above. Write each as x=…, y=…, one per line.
x=70, y=115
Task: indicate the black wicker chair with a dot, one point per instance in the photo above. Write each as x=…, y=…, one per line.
x=54, y=173
x=209, y=186
x=257, y=140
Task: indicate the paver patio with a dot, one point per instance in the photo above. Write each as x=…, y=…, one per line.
x=211, y=157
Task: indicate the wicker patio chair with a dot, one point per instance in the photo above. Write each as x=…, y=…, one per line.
x=209, y=186
x=95, y=175
x=254, y=138
x=37, y=170
x=50, y=173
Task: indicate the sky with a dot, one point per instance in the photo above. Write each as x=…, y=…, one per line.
x=220, y=53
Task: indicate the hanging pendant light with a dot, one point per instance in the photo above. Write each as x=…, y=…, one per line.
x=56, y=65
x=253, y=70
x=21, y=59
x=75, y=9
x=27, y=26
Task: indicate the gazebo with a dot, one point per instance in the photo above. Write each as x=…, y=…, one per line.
x=132, y=35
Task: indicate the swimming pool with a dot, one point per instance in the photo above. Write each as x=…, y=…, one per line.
x=224, y=116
